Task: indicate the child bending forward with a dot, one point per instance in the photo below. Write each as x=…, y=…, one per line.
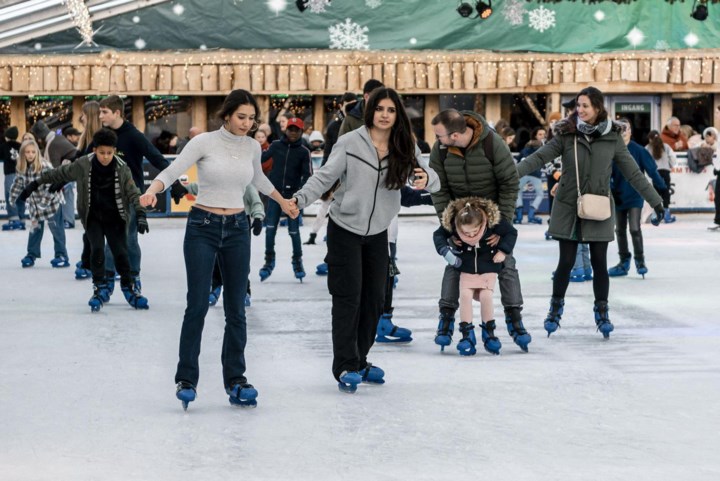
x=475, y=239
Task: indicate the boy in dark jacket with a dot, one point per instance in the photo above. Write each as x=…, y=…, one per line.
x=106, y=191
x=9, y=150
x=291, y=168
x=462, y=240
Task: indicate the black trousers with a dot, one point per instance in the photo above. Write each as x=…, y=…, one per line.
x=357, y=276
x=665, y=194
x=114, y=230
x=717, y=200
x=566, y=261
x=622, y=219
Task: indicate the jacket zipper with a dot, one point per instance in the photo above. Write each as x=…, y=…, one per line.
x=287, y=154
x=377, y=184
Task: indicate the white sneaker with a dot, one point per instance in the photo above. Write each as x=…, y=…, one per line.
x=714, y=227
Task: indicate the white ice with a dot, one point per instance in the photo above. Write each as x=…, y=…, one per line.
x=91, y=396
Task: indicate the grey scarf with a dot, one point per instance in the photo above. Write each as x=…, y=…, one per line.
x=598, y=130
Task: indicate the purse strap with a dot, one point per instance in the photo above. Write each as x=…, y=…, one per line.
x=577, y=169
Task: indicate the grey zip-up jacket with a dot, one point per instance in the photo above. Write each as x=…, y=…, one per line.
x=361, y=204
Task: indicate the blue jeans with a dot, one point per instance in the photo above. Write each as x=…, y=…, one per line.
x=14, y=211
x=582, y=258
x=55, y=224
x=508, y=278
x=69, y=206
x=133, y=247
x=272, y=218
x=537, y=187
x=226, y=237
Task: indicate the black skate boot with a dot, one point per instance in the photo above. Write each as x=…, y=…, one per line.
x=298, y=268
x=492, y=344
x=134, y=297
x=640, y=266
x=97, y=300
x=466, y=345
x=602, y=319
x=268, y=267
x=446, y=325
x=516, y=329
x=552, y=321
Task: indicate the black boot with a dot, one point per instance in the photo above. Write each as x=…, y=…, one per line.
x=516, y=329
x=552, y=321
x=602, y=319
x=268, y=267
x=446, y=325
x=311, y=240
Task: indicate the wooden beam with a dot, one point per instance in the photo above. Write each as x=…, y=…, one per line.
x=138, y=113
x=666, y=109
x=432, y=108
x=17, y=115
x=493, y=108
x=319, y=113
x=77, y=103
x=199, y=113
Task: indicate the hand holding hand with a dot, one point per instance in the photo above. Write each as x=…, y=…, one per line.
x=290, y=207
x=142, y=223
x=493, y=240
x=177, y=191
x=499, y=257
x=29, y=189
x=148, y=200
x=256, y=226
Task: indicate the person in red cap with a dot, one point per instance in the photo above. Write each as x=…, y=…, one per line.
x=291, y=168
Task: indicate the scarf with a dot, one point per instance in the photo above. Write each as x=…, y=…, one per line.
x=475, y=240
x=598, y=130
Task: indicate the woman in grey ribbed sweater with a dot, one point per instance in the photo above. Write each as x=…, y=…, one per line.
x=227, y=161
x=372, y=163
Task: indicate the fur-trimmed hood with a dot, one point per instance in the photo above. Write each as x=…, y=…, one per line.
x=569, y=126
x=489, y=207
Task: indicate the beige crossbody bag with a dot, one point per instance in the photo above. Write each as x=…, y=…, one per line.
x=590, y=206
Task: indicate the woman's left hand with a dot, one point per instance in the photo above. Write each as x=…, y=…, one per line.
x=290, y=208
x=421, y=179
x=499, y=257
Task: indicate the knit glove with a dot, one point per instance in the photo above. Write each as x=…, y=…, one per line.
x=142, y=223
x=177, y=191
x=256, y=226
x=29, y=189
x=450, y=257
x=659, y=215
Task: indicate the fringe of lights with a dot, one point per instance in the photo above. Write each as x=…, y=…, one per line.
x=80, y=15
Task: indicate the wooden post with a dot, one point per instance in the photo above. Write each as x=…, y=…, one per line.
x=318, y=113
x=666, y=109
x=264, y=105
x=716, y=110
x=555, y=105
x=138, y=113
x=432, y=108
x=77, y=103
x=493, y=108
x=199, y=113
x=17, y=114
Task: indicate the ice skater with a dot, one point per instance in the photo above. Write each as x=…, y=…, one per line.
x=379, y=158
x=462, y=240
x=227, y=161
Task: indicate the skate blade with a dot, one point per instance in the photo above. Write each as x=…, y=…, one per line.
x=347, y=388
x=394, y=340
x=244, y=404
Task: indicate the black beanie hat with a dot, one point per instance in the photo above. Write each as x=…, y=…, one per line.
x=11, y=133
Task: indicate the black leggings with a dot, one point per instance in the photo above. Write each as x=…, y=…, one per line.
x=665, y=174
x=598, y=259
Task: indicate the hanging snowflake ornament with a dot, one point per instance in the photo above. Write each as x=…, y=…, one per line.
x=317, y=6
x=348, y=36
x=373, y=3
x=662, y=45
x=80, y=16
x=514, y=12
x=542, y=19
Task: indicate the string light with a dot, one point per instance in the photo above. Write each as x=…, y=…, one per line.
x=80, y=16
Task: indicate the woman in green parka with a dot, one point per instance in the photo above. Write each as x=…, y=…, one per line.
x=599, y=144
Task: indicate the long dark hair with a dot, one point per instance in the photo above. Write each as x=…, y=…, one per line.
x=235, y=99
x=596, y=100
x=402, y=143
x=657, y=146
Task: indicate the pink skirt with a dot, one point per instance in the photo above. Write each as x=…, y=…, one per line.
x=478, y=281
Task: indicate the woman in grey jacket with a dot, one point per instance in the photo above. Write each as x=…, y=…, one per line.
x=372, y=163
x=599, y=146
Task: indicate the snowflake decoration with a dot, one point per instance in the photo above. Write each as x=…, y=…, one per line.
x=317, y=6
x=542, y=19
x=662, y=45
x=373, y=3
x=348, y=36
x=514, y=12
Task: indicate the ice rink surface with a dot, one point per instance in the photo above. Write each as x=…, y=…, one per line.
x=91, y=396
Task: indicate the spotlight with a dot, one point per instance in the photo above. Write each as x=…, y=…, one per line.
x=465, y=9
x=484, y=10
x=301, y=5
x=700, y=12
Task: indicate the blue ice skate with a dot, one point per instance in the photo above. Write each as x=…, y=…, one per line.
x=248, y=301
x=186, y=393
x=552, y=321
x=267, y=268
x=214, y=295
x=577, y=275
x=372, y=374
x=621, y=269
x=389, y=332
x=321, y=269
x=602, y=319
x=60, y=261
x=242, y=394
x=491, y=343
x=349, y=381
x=81, y=273
x=640, y=266
x=298, y=268
x=466, y=345
x=134, y=297
x=14, y=225
x=96, y=301
x=516, y=329
x=446, y=325
x=27, y=261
